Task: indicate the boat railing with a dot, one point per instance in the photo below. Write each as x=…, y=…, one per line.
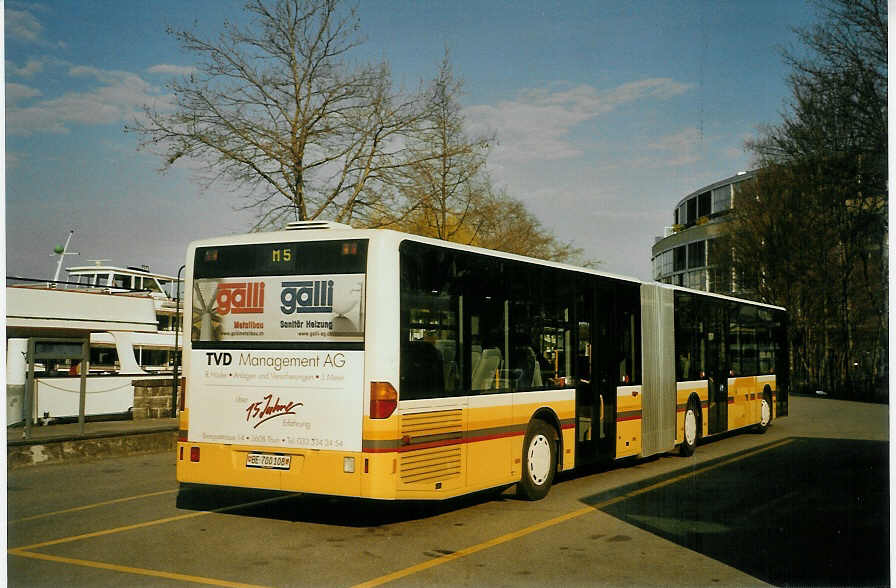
x=20, y=282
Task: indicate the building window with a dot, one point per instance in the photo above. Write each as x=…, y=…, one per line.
x=692, y=211
x=679, y=260
x=703, y=201
x=695, y=280
x=721, y=199
x=662, y=264
x=696, y=254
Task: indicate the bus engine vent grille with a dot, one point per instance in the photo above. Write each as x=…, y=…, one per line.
x=422, y=426
x=430, y=449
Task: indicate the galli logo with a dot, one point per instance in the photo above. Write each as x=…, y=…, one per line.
x=240, y=298
x=313, y=296
x=267, y=408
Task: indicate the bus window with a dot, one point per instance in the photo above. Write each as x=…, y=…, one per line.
x=628, y=329
x=484, y=284
x=488, y=345
x=541, y=326
x=431, y=364
x=748, y=345
x=690, y=337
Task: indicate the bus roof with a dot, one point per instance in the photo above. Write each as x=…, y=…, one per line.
x=335, y=231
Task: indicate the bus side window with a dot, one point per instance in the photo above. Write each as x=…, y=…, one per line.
x=541, y=352
x=421, y=370
x=488, y=336
x=629, y=347
x=430, y=363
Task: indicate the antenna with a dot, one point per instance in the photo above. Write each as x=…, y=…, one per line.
x=62, y=252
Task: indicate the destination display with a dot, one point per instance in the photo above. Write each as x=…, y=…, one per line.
x=285, y=399
x=279, y=308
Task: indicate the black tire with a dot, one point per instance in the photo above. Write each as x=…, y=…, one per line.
x=539, y=461
x=765, y=414
x=691, y=429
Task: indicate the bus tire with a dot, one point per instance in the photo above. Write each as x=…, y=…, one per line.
x=539, y=461
x=691, y=429
x=765, y=413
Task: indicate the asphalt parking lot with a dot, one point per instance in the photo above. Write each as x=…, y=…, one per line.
x=804, y=504
x=809, y=512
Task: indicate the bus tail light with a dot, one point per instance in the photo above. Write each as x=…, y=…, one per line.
x=194, y=453
x=383, y=400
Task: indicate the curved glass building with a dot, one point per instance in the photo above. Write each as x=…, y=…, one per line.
x=681, y=256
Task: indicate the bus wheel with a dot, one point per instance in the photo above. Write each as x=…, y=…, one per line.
x=691, y=424
x=765, y=414
x=539, y=461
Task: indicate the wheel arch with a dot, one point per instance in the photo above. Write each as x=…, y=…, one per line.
x=767, y=391
x=549, y=417
x=695, y=398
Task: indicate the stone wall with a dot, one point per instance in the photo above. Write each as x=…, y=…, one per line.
x=152, y=399
x=43, y=452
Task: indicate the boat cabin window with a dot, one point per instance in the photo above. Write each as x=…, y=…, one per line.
x=169, y=287
x=151, y=284
x=103, y=358
x=121, y=281
x=87, y=280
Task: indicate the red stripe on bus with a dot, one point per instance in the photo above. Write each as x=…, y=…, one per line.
x=443, y=443
x=458, y=441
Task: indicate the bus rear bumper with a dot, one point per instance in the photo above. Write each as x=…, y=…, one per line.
x=336, y=473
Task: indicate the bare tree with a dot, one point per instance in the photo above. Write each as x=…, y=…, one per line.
x=445, y=190
x=443, y=183
x=504, y=223
x=278, y=111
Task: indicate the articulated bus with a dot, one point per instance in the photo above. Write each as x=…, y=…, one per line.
x=381, y=365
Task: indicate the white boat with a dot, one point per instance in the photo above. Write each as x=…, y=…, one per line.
x=129, y=316
x=154, y=351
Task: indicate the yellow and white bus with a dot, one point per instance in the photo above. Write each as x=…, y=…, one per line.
x=376, y=364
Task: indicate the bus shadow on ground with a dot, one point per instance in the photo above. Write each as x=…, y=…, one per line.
x=606, y=465
x=813, y=512
x=326, y=510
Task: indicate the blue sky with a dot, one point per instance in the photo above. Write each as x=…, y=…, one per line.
x=606, y=114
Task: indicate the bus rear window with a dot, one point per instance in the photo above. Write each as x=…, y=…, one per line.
x=299, y=292
x=282, y=259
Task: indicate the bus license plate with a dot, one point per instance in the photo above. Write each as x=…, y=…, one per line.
x=268, y=461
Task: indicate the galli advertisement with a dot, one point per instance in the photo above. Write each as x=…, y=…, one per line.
x=278, y=397
x=280, y=308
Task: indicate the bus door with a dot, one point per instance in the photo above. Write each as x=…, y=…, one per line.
x=596, y=388
x=717, y=374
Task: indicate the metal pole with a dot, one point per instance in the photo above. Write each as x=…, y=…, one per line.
x=177, y=326
x=82, y=401
x=29, y=391
x=62, y=256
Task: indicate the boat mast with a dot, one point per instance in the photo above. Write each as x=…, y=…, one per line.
x=62, y=252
